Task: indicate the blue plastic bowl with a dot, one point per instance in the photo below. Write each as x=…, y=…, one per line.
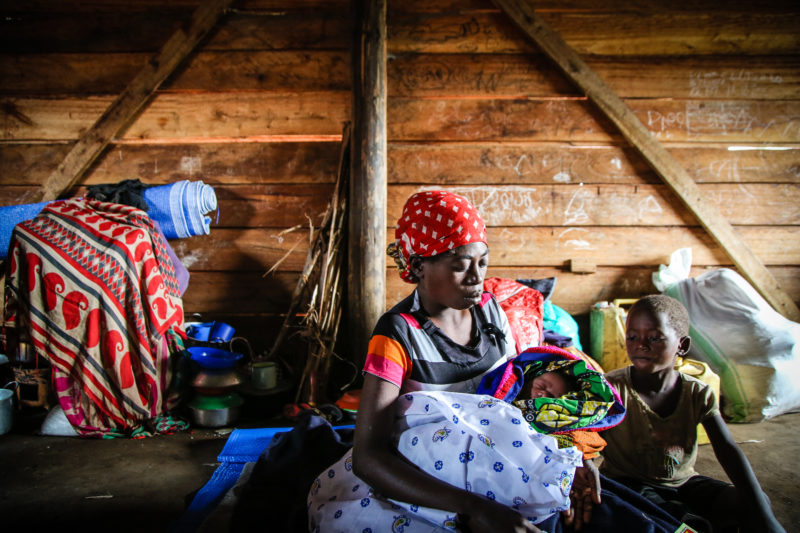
x=213, y=357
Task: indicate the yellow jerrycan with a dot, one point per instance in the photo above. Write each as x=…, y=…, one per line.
x=701, y=371
x=607, y=333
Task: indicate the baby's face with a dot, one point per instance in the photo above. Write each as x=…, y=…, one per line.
x=548, y=385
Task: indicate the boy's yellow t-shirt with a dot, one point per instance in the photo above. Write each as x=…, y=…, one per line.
x=650, y=448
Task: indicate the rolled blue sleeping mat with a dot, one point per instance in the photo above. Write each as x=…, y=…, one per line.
x=180, y=209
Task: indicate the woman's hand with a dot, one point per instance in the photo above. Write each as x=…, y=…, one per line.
x=487, y=516
x=585, y=492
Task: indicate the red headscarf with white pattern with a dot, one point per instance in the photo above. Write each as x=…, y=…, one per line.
x=434, y=222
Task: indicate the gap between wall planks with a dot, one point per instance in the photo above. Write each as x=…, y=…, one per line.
x=130, y=101
x=663, y=163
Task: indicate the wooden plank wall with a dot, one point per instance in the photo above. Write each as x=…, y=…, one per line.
x=473, y=107
x=476, y=108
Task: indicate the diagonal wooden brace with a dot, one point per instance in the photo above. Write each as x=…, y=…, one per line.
x=127, y=105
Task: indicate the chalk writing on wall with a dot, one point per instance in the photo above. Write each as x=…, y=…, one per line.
x=519, y=164
x=747, y=166
x=574, y=239
x=575, y=213
x=631, y=206
x=647, y=206
x=746, y=121
x=532, y=163
x=719, y=118
x=501, y=206
x=725, y=169
x=187, y=257
x=662, y=124
x=741, y=83
x=570, y=205
x=191, y=165
x=512, y=242
x=525, y=164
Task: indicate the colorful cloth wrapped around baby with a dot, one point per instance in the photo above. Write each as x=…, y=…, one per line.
x=480, y=443
x=574, y=418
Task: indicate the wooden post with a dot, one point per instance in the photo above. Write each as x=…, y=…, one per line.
x=130, y=101
x=367, y=217
x=659, y=158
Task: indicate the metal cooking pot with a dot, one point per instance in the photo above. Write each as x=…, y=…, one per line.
x=214, y=418
x=6, y=408
x=216, y=411
x=216, y=381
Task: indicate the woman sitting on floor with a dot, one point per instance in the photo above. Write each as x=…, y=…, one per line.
x=445, y=336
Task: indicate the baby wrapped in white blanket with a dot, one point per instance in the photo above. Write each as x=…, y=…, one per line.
x=472, y=441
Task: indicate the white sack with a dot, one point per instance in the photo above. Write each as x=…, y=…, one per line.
x=754, y=349
x=57, y=425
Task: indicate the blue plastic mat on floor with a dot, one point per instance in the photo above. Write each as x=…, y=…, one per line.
x=243, y=446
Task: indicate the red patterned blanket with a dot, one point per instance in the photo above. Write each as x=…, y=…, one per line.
x=93, y=286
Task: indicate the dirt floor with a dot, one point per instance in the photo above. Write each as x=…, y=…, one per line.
x=145, y=485
x=101, y=485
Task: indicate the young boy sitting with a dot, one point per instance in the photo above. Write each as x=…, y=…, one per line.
x=653, y=450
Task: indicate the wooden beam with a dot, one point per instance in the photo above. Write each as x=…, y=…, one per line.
x=366, y=278
x=571, y=64
x=122, y=111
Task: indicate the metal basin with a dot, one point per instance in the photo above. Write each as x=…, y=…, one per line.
x=215, y=418
x=216, y=411
x=216, y=381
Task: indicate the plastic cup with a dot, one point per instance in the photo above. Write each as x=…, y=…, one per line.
x=220, y=332
x=200, y=332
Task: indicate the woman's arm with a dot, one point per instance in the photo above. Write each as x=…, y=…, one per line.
x=738, y=468
x=388, y=473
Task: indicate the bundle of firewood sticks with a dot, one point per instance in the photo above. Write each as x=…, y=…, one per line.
x=319, y=289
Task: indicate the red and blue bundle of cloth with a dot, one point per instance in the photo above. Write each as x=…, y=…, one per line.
x=94, y=287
